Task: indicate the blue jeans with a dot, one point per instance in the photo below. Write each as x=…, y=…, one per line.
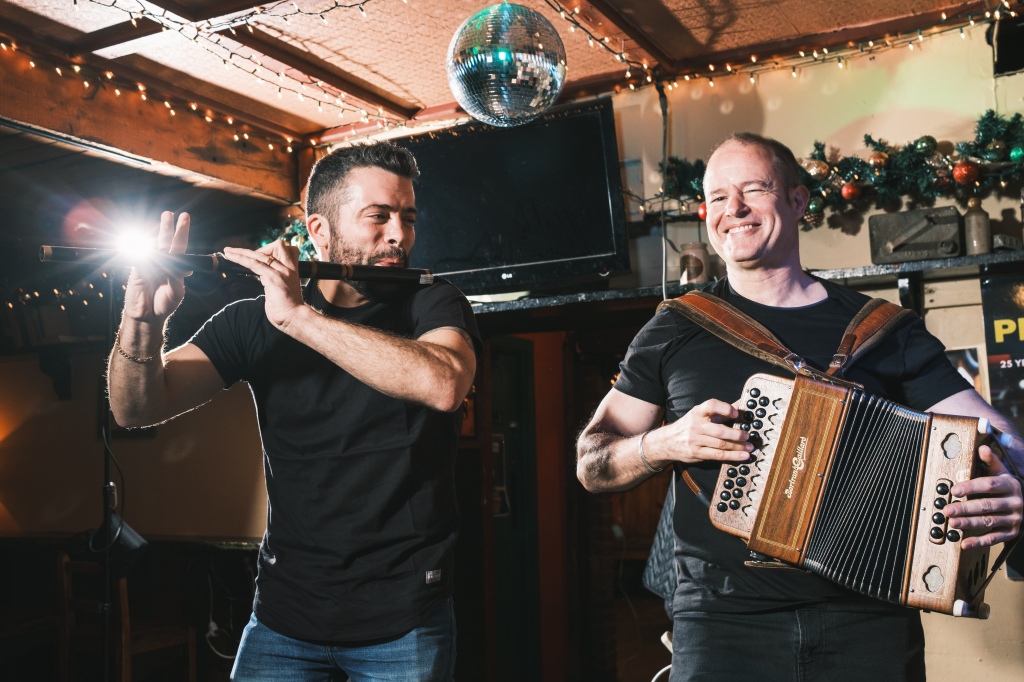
x=805, y=645
x=425, y=654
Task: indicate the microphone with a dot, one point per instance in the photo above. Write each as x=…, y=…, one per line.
x=216, y=262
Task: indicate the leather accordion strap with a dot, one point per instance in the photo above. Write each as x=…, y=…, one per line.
x=732, y=326
x=691, y=484
x=874, y=321
x=870, y=325
x=740, y=331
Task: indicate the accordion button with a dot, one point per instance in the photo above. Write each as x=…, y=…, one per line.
x=751, y=404
x=735, y=504
x=737, y=493
x=763, y=401
x=722, y=506
x=725, y=495
x=756, y=424
x=942, y=489
x=940, y=502
x=728, y=484
x=754, y=392
x=744, y=470
x=741, y=481
x=744, y=427
x=731, y=472
x=936, y=533
x=760, y=412
x=939, y=518
x=953, y=536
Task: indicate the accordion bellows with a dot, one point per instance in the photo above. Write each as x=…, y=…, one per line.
x=852, y=488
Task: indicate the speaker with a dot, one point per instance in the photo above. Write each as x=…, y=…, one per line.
x=1006, y=37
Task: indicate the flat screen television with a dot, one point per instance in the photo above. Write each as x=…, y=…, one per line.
x=533, y=208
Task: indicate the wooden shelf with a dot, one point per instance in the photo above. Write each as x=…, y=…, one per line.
x=907, y=277
x=937, y=269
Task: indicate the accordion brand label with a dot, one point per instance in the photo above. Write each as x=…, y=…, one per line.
x=799, y=462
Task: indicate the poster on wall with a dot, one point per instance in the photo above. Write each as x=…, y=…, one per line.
x=1002, y=302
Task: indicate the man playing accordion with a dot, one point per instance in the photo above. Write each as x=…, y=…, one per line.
x=672, y=406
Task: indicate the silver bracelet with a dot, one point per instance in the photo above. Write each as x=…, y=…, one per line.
x=640, y=449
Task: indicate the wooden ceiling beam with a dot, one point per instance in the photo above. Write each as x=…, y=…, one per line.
x=593, y=86
x=219, y=8
x=126, y=31
x=634, y=32
x=44, y=44
x=110, y=36
x=302, y=61
x=142, y=133
x=579, y=89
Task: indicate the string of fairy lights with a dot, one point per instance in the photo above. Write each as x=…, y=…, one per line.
x=211, y=36
x=32, y=308
x=214, y=36
x=841, y=57
x=572, y=17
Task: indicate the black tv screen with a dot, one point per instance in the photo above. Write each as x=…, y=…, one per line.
x=531, y=208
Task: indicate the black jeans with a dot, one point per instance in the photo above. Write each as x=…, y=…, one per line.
x=805, y=645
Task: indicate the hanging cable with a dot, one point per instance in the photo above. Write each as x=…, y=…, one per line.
x=663, y=101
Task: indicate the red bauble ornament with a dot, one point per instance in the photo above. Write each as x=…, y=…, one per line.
x=702, y=211
x=851, y=191
x=966, y=172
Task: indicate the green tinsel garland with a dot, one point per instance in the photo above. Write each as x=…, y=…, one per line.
x=296, y=235
x=916, y=173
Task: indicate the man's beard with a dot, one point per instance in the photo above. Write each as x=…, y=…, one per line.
x=375, y=290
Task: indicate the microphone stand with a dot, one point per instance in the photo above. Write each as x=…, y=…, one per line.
x=106, y=529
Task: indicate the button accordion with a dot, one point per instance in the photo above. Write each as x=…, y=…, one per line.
x=852, y=487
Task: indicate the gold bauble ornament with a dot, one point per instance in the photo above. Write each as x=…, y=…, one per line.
x=815, y=168
x=878, y=160
x=814, y=219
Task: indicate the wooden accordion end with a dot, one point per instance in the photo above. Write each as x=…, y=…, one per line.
x=852, y=487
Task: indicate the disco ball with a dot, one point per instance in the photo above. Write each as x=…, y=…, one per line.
x=506, y=65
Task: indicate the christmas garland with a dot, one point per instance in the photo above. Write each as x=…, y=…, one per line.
x=294, y=233
x=920, y=171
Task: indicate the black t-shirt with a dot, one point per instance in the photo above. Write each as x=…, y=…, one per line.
x=361, y=516
x=674, y=363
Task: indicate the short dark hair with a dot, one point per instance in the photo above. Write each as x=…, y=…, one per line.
x=783, y=159
x=327, y=180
